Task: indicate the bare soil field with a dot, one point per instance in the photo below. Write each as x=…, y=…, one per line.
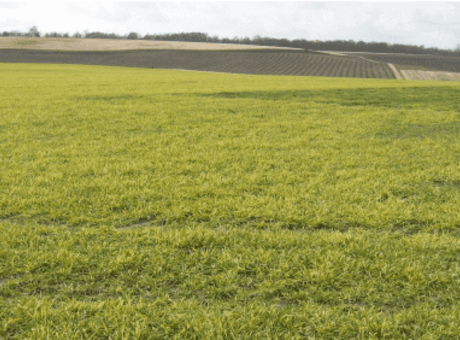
x=249, y=62
x=72, y=44
x=418, y=62
x=227, y=58
x=414, y=67
x=430, y=75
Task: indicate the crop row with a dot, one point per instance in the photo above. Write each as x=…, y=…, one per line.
x=276, y=63
x=428, y=62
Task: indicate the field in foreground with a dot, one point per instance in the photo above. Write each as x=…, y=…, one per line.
x=153, y=204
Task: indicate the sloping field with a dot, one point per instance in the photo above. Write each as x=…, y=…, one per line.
x=158, y=204
x=430, y=75
x=71, y=44
x=395, y=71
x=253, y=62
x=418, y=62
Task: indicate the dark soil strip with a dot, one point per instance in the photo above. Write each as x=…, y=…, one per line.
x=414, y=62
x=253, y=62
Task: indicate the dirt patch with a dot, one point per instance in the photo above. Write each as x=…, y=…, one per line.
x=395, y=71
x=431, y=75
x=333, y=53
x=72, y=44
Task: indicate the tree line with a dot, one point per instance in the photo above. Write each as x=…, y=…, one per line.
x=330, y=45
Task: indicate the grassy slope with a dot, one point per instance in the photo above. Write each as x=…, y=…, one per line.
x=271, y=206
x=71, y=44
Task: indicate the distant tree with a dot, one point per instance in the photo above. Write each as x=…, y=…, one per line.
x=33, y=32
x=336, y=45
x=53, y=35
x=66, y=35
x=93, y=35
x=5, y=34
x=246, y=40
x=213, y=39
x=100, y=35
x=133, y=36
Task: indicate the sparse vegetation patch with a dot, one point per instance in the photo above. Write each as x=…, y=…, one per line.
x=26, y=42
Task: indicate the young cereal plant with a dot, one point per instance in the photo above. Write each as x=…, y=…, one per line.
x=158, y=204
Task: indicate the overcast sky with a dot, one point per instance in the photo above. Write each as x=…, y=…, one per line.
x=432, y=24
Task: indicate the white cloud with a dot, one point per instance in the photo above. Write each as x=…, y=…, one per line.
x=428, y=23
x=9, y=4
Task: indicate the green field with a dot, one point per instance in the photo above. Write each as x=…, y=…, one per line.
x=157, y=204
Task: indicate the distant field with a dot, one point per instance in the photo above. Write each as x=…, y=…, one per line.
x=71, y=44
x=421, y=62
x=430, y=75
x=250, y=62
x=158, y=204
x=212, y=57
x=414, y=67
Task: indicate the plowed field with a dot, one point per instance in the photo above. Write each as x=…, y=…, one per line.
x=424, y=62
x=251, y=62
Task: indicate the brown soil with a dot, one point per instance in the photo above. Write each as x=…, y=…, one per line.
x=418, y=62
x=275, y=62
x=395, y=71
x=430, y=75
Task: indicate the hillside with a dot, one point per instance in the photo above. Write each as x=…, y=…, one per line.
x=254, y=62
x=71, y=44
x=227, y=58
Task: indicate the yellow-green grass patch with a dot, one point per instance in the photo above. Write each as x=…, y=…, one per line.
x=157, y=204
